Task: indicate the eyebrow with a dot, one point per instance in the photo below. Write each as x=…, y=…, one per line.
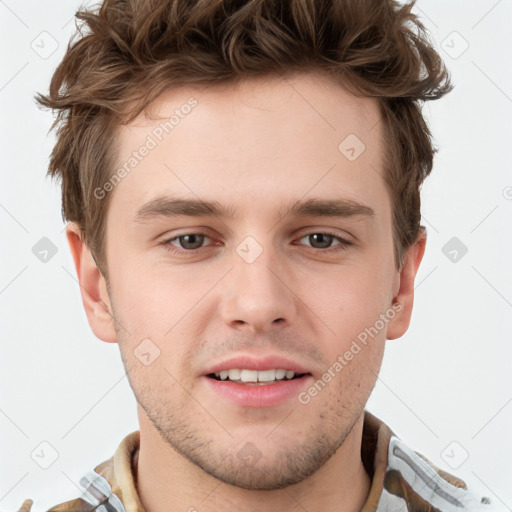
x=165, y=206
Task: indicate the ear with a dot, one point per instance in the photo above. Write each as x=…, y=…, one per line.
x=404, y=287
x=93, y=286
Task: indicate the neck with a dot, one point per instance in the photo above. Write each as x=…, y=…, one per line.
x=167, y=482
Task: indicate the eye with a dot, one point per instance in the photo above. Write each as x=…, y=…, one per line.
x=322, y=241
x=188, y=241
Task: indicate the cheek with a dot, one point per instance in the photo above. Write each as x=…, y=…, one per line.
x=154, y=316
x=351, y=297
x=353, y=365
x=145, y=303
x=355, y=306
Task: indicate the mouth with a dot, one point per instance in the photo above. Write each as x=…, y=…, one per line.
x=256, y=377
x=247, y=380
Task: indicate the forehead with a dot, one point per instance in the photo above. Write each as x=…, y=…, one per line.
x=261, y=141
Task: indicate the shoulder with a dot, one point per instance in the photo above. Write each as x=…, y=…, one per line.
x=412, y=480
x=107, y=487
x=97, y=491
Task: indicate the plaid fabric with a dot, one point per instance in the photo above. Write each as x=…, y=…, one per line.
x=402, y=480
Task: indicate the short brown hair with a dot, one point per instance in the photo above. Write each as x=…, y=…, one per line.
x=133, y=50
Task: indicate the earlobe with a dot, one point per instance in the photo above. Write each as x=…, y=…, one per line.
x=398, y=326
x=92, y=286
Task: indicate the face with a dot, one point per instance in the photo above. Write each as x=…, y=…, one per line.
x=286, y=266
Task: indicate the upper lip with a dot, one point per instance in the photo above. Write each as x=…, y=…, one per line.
x=251, y=362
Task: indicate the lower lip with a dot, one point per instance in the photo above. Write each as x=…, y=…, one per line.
x=259, y=395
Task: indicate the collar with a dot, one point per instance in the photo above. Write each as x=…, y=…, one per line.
x=402, y=479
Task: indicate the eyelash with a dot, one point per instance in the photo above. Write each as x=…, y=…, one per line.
x=340, y=247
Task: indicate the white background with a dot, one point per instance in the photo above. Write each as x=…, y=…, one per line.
x=448, y=379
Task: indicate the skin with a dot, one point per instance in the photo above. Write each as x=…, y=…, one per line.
x=254, y=147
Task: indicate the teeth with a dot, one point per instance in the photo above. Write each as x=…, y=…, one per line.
x=249, y=375
x=280, y=374
x=234, y=374
x=254, y=375
x=266, y=376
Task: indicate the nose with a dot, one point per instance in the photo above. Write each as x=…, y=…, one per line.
x=259, y=296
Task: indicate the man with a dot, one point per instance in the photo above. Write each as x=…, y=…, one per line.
x=241, y=181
